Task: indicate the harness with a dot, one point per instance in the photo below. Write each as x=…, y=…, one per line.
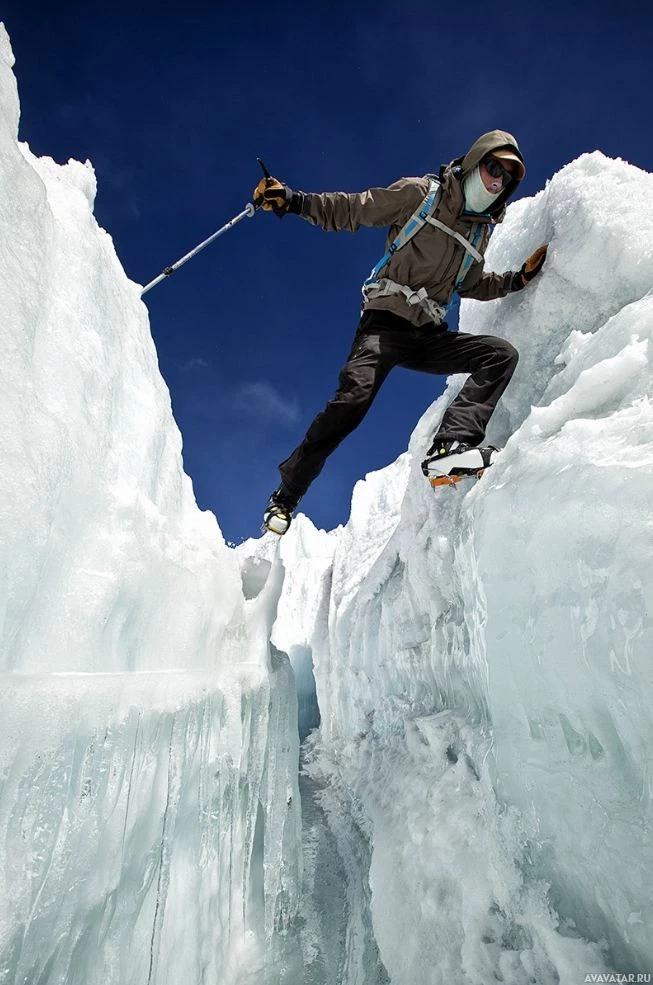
x=377, y=287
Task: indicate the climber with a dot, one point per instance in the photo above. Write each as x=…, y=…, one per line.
x=439, y=231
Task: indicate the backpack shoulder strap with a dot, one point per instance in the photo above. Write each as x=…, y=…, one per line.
x=414, y=224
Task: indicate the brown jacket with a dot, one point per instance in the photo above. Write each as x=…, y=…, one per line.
x=431, y=259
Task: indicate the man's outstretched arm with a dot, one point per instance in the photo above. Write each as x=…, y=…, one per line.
x=335, y=211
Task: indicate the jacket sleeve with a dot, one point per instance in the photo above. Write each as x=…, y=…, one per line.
x=485, y=287
x=335, y=211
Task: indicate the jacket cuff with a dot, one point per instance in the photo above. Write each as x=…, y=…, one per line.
x=296, y=203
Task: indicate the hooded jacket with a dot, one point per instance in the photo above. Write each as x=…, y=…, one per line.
x=431, y=259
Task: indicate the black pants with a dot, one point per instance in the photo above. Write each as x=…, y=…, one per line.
x=384, y=340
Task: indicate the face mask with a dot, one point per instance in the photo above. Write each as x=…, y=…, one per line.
x=477, y=197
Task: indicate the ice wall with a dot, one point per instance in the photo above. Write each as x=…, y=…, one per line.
x=153, y=840
x=149, y=817
x=107, y=564
x=483, y=657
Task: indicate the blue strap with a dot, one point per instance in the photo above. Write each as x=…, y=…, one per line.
x=413, y=225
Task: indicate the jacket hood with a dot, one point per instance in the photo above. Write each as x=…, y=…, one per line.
x=494, y=140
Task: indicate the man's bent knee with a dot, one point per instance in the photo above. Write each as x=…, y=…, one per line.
x=355, y=390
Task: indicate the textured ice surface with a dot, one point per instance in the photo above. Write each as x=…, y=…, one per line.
x=106, y=562
x=482, y=655
x=477, y=799
x=149, y=808
x=144, y=826
x=307, y=558
x=483, y=673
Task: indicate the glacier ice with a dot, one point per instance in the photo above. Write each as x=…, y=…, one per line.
x=146, y=828
x=471, y=669
x=149, y=807
x=482, y=657
x=484, y=675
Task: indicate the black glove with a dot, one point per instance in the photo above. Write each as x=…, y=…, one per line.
x=273, y=196
x=529, y=269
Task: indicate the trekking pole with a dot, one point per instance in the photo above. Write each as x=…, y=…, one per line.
x=248, y=212
x=168, y=271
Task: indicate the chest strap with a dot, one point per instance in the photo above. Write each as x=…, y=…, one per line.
x=472, y=254
x=465, y=243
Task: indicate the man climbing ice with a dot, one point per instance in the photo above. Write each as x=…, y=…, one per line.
x=439, y=231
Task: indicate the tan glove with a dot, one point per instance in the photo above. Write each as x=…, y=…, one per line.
x=272, y=195
x=529, y=269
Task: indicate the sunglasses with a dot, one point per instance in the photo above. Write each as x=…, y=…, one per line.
x=496, y=169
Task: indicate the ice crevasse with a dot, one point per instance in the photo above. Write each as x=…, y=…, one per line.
x=481, y=657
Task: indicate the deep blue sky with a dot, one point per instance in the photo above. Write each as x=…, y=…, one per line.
x=172, y=103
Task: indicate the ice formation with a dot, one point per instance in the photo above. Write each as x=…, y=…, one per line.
x=149, y=808
x=482, y=658
x=475, y=805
